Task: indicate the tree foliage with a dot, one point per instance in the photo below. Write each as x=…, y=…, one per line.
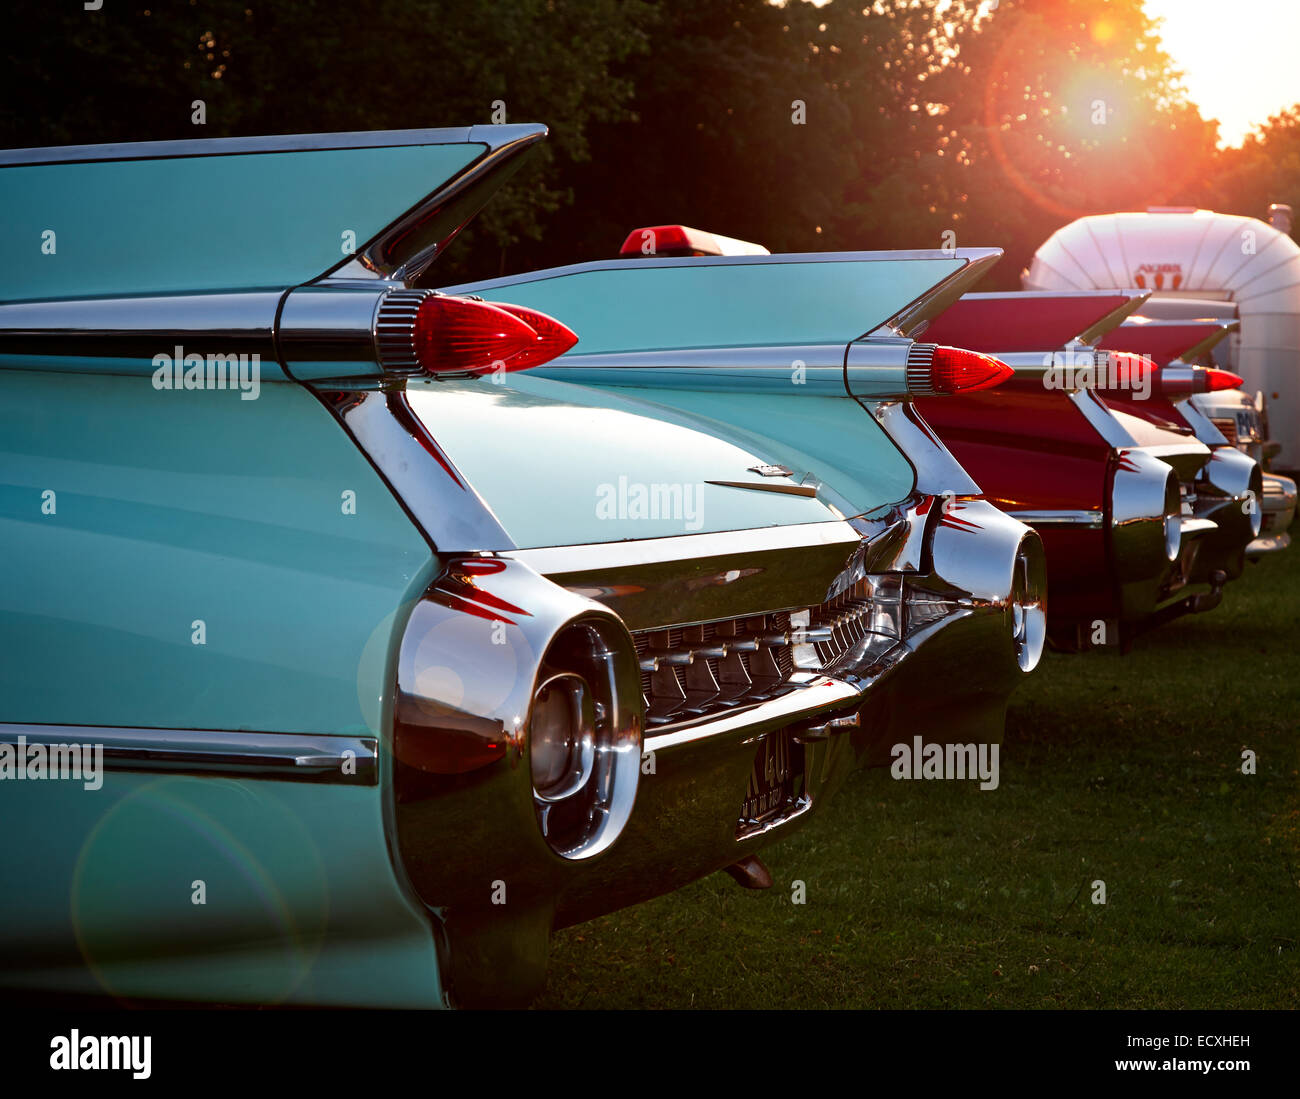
x=854, y=124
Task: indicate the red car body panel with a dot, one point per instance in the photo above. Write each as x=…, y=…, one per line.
x=1019, y=321
x=1162, y=343
x=1032, y=449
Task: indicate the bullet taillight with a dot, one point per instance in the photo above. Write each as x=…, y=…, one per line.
x=933, y=369
x=553, y=338
x=1216, y=379
x=420, y=332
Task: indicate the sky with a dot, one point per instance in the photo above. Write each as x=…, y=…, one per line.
x=1240, y=58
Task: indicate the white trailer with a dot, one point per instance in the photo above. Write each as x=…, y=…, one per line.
x=1181, y=252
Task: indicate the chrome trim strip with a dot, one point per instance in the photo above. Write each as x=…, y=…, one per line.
x=1101, y=419
x=138, y=328
x=1116, y=317
x=446, y=508
x=1165, y=451
x=1194, y=528
x=818, y=695
x=275, y=143
x=1088, y=519
x=294, y=757
x=654, y=551
x=404, y=249
x=1204, y=428
x=938, y=473
x=764, y=486
x=1068, y=369
x=763, y=369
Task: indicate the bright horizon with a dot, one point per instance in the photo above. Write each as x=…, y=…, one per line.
x=1239, y=60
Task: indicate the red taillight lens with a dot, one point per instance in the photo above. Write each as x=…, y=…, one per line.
x=956, y=370
x=457, y=335
x=682, y=240
x=1127, y=371
x=658, y=239
x=553, y=338
x=1223, y=379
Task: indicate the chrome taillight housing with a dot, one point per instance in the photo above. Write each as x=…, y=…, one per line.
x=1029, y=603
x=337, y=334
x=517, y=729
x=933, y=369
x=1145, y=515
x=422, y=332
x=584, y=737
x=1235, y=479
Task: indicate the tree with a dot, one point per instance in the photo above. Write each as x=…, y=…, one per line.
x=1060, y=108
x=1266, y=169
x=133, y=73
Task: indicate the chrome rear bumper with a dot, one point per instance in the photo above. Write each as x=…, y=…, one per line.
x=1279, y=505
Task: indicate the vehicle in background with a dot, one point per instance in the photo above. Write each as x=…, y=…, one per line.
x=1180, y=253
x=398, y=656
x=1059, y=447
x=772, y=348
x=1204, y=332
x=1122, y=556
x=1182, y=337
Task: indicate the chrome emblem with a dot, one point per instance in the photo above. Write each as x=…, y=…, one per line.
x=770, y=471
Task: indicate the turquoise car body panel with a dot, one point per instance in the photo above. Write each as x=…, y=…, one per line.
x=578, y=457
x=168, y=508
x=646, y=304
x=813, y=426
x=237, y=221
x=252, y=891
x=174, y=508
x=831, y=441
x=191, y=560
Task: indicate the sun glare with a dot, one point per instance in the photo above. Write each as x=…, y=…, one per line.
x=1238, y=59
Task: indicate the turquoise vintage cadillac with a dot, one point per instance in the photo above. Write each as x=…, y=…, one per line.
x=814, y=358
x=343, y=661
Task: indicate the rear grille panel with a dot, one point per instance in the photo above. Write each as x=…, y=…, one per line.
x=866, y=609
x=691, y=671
x=1228, y=426
x=688, y=672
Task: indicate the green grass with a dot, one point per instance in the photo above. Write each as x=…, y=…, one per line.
x=935, y=895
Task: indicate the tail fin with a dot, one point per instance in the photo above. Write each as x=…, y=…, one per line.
x=1167, y=340
x=242, y=213
x=1033, y=320
x=659, y=303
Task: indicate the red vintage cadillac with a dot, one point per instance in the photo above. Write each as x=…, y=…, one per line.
x=1181, y=334
x=1065, y=445
x=1122, y=499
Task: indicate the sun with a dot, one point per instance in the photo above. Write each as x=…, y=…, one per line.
x=1238, y=61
